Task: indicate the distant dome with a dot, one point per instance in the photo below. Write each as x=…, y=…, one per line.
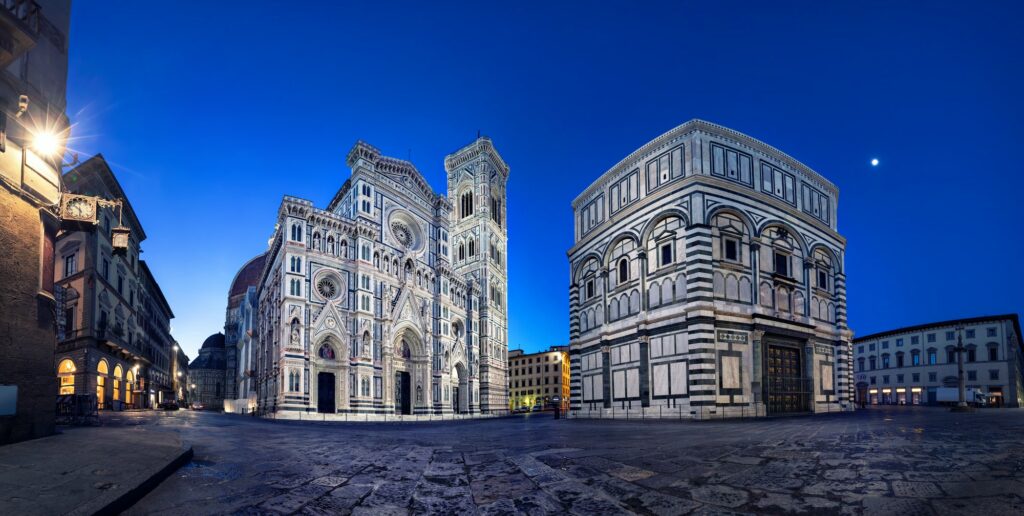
x=214, y=341
x=246, y=277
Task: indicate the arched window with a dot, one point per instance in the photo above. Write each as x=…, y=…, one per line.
x=297, y=232
x=873, y=362
x=466, y=204
x=462, y=251
x=472, y=248
x=326, y=352
x=365, y=386
x=860, y=364
x=619, y=261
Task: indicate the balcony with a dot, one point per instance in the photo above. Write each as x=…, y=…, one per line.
x=19, y=26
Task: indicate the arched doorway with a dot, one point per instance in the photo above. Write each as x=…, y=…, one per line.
x=66, y=376
x=406, y=351
x=460, y=390
x=118, y=374
x=326, y=382
x=402, y=378
x=129, y=388
x=101, y=384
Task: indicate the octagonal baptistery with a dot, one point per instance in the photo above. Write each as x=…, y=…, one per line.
x=707, y=281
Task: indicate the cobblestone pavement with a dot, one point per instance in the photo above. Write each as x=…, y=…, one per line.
x=898, y=460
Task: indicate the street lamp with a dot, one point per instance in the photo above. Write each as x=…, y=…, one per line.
x=961, y=405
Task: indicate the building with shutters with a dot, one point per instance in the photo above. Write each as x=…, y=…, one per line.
x=707, y=280
x=907, y=366
x=538, y=379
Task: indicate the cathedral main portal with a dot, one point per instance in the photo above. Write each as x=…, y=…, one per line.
x=403, y=393
x=325, y=393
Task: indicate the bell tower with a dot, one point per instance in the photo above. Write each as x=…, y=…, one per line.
x=477, y=179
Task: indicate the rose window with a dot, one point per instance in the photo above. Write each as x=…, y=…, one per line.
x=327, y=288
x=402, y=233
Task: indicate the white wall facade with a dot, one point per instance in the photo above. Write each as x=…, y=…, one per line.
x=361, y=309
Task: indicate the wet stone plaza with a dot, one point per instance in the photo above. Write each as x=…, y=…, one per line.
x=894, y=460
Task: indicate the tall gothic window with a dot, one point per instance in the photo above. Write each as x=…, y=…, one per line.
x=296, y=232
x=623, y=270
x=462, y=251
x=496, y=210
x=466, y=204
x=472, y=248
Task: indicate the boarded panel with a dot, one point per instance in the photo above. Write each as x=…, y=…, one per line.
x=730, y=371
x=633, y=383
x=661, y=380
x=678, y=373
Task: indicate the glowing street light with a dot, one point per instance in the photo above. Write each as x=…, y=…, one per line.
x=47, y=143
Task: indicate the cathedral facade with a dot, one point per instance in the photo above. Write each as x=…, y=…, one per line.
x=391, y=300
x=707, y=280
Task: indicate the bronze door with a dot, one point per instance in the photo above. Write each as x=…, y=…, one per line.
x=787, y=387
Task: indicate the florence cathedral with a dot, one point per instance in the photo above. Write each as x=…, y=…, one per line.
x=392, y=299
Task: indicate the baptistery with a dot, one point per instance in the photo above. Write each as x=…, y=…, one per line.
x=707, y=280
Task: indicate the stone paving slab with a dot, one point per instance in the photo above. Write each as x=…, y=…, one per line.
x=87, y=470
x=900, y=460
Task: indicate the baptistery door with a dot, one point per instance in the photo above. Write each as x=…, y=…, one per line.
x=788, y=389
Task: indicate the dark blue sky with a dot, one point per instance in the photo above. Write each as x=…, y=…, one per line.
x=211, y=111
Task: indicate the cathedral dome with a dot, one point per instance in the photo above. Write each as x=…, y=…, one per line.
x=214, y=341
x=246, y=277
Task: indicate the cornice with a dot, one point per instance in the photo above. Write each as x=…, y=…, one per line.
x=482, y=146
x=711, y=129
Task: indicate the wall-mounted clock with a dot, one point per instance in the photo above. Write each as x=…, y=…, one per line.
x=78, y=208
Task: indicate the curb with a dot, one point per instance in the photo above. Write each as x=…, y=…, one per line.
x=132, y=496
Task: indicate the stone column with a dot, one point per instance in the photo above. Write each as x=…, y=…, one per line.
x=642, y=259
x=810, y=384
x=757, y=373
x=606, y=376
x=645, y=368
x=755, y=267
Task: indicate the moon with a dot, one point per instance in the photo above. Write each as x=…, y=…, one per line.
x=874, y=162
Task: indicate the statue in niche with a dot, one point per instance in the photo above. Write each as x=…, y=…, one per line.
x=296, y=333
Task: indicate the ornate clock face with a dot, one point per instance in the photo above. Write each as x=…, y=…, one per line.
x=402, y=233
x=79, y=208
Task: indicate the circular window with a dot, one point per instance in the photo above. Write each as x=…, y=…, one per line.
x=402, y=233
x=327, y=288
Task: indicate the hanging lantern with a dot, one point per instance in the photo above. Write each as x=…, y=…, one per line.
x=119, y=239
